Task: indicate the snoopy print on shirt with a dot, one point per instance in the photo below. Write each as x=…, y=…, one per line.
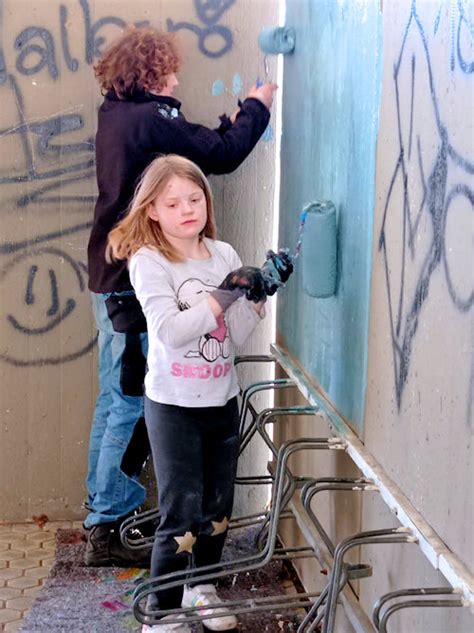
x=212, y=346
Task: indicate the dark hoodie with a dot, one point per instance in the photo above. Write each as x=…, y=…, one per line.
x=131, y=133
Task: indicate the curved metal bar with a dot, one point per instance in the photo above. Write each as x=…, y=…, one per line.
x=211, y=572
x=268, y=416
x=418, y=591
x=257, y=358
x=312, y=617
x=391, y=535
x=314, y=489
x=246, y=433
x=237, y=607
x=135, y=521
x=410, y=604
x=338, y=480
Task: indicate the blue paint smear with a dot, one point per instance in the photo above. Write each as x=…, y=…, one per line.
x=218, y=88
x=237, y=84
x=328, y=153
x=268, y=134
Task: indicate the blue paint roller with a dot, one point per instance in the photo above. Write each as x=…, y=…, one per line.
x=274, y=40
x=319, y=249
x=319, y=253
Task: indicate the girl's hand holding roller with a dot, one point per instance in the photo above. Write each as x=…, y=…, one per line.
x=246, y=280
x=276, y=270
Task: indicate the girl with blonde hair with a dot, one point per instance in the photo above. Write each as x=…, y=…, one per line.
x=199, y=303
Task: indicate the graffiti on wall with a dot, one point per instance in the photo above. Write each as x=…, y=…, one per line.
x=47, y=173
x=214, y=39
x=431, y=187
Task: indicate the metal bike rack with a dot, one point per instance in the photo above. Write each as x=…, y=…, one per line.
x=321, y=606
x=419, y=531
x=381, y=619
x=249, y=563
x=322, y=484
x=391, y=535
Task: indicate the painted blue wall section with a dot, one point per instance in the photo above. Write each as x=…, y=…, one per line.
x=330, y=119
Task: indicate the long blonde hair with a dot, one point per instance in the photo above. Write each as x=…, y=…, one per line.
x=137, y=229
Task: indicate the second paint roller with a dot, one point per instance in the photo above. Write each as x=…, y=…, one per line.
x=319, y=249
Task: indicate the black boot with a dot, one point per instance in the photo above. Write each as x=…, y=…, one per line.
x=104, y=549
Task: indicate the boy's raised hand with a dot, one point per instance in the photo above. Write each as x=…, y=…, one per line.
x=263, y=93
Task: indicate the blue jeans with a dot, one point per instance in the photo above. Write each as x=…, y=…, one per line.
x=112, y=494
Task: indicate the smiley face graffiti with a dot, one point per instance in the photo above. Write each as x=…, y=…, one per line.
x=45, y=308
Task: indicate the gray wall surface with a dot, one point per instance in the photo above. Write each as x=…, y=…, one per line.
x=419, y=398
x=48, y=117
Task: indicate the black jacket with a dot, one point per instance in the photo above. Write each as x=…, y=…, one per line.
x=130, y=135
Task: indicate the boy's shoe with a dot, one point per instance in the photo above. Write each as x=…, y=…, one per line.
x=104, y=549
x=204, y=596
x=176, y=627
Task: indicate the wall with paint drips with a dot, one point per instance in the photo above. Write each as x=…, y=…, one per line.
x=330, y=115
x=47, y=179
x=419, y=420
x=377, y=116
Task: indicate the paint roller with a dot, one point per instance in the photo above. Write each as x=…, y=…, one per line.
x=275, y=40
x=317, y=242
x=319, y=249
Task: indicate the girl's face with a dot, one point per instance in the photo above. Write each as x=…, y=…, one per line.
x=180, y=209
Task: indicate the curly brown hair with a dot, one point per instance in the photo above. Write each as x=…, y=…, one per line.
x=138, y=60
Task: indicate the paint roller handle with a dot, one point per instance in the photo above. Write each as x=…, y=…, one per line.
x=263, y=93
x=277, y=270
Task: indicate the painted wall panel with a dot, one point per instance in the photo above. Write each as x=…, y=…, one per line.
x=330, y=117
x=47, y=190
x=418, y=415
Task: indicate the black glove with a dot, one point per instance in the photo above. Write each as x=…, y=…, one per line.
x=246, y=280
x=276, y=270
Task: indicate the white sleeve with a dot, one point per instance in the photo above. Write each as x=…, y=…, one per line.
x=155, y=291
x=241, y=318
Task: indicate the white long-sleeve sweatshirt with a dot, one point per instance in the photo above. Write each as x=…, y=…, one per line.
x=190, y=351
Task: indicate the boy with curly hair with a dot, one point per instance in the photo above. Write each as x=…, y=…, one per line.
x=138, y=120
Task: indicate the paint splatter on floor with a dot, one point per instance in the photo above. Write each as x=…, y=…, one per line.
x=99, y=600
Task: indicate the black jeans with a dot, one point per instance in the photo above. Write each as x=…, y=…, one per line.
x=195, y=453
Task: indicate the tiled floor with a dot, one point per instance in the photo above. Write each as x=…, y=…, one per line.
x=26, y=556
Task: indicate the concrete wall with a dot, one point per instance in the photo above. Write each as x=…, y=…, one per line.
x=418, y=408
x=419, y=399
x=48, y=117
